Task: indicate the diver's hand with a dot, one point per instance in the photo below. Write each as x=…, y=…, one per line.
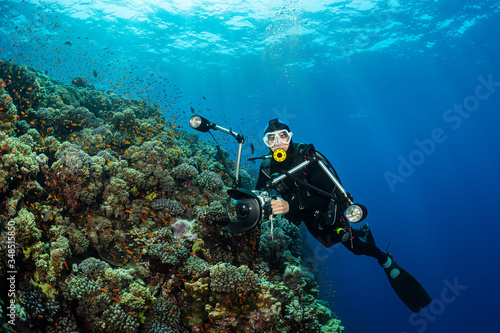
x=279, y=206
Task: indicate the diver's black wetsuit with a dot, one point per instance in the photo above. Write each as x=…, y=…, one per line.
x=304, y=204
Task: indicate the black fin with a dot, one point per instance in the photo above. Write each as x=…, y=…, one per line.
x=408, y=289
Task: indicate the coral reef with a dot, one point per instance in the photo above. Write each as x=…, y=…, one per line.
x=119, y=219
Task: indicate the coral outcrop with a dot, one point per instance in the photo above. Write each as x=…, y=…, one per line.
x=119, y=219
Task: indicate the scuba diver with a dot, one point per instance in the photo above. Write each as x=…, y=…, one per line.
x=303, y=199
x=311, y=192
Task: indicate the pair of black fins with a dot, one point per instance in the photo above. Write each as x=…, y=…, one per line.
x=408, y=289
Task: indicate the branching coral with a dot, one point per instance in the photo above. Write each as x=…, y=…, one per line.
x=185, y=173
x=81, y=288
x=78, y=241
x=195, y=266
x=164, y=317
x=169, y=253
x=214, y=214
x=226, y=278
x=116, y=198
x=26, y=229
x=18, y=163
x=209, y=180
x=22, y=84
x=115, y=319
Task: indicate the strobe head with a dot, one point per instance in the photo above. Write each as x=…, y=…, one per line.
x=200, y=124
x=356, y=213
x=248, y=207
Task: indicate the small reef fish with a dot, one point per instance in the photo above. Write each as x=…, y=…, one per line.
x=48, y=216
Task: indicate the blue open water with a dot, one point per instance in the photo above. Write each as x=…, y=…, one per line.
x=403, y=97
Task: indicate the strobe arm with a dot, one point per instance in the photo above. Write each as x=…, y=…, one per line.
x=204, y=125
x=354, y=213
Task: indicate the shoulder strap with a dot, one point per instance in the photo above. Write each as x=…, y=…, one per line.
x=266, y=167
x=303, y=148
x=329, y=165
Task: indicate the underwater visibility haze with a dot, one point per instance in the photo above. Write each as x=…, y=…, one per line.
x=119, y=208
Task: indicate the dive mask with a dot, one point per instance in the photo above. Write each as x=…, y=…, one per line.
x=277, y=138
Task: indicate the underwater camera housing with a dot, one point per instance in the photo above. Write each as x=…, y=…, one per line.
x=250, y=208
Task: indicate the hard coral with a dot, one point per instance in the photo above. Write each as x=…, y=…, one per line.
x=172, y=206
x=18, y=163
x=168, y=253
x=26, y=229
x=117, y=175
x=184, y=172
x=81, y=288
x=164, y=317
x=214, y=213
x=21, y=83
x=115, y=319
x=209, y=180
x=77, y=176
x=226, y=278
